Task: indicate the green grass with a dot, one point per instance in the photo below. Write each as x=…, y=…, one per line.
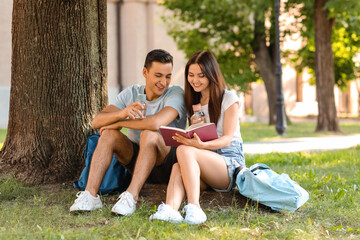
x=2, y=136
x=332, y=179
x=262, y=131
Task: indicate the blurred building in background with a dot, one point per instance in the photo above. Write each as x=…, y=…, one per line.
x=135, y=27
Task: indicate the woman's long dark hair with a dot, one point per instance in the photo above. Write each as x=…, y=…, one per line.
x=210, y=68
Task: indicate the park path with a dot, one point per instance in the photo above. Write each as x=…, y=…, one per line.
x=305, y=144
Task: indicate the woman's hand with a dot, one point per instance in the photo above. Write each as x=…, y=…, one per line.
x=195, y=141
x=196, y=121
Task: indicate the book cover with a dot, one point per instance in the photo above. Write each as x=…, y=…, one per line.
x=205, y=131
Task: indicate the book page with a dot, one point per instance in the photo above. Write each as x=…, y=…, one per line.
x=198, y=125
x=173, y=128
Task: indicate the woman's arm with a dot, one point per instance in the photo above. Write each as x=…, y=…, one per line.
x=229, y=126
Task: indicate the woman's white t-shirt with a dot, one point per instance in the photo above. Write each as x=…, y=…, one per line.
x=229, y=99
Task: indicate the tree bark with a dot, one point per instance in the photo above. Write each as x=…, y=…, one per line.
x=265, y=61
x=58, y=84
x=324, y=69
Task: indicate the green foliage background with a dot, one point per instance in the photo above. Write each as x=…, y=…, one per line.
x=223, y=27
x=226, y=27
x=345, y=37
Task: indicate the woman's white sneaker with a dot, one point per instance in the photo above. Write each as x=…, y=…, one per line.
x=166, y=213
x=194, y=214
x=86, y=202
x=126, y=205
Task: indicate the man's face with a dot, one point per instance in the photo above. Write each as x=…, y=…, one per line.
x=158, y=79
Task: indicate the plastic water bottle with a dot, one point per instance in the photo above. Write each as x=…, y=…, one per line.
x=141, y=98
x=197, y=111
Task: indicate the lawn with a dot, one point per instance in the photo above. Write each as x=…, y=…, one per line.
x=2, y=137
x=333, y=211
x=262, y=131
x=332, y=178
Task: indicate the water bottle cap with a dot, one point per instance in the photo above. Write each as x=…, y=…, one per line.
x=196, y=107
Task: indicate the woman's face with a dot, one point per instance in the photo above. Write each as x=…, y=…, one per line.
x=197, y=79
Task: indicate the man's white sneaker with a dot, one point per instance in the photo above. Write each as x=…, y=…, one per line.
x=86, y=202
x=194, y=214
x=167, y=213
x=126, y=205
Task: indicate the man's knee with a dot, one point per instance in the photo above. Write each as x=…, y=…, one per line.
x=152, y=144
x=149, y=137
x=110, y=137
x=118, y=143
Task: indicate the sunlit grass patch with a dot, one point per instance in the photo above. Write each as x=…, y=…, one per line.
x=263, y=131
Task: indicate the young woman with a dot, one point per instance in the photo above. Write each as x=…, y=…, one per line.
x=201, y=164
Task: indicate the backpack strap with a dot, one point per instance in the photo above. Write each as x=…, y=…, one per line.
x=258, y=168
x=237, y=170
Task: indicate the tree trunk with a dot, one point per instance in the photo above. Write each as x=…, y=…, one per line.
x=58, y=84
x=265, y=63
x=324, y=69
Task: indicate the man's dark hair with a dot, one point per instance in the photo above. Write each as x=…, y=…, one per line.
x=157, y=55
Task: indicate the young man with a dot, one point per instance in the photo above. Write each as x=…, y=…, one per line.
x=143, y=152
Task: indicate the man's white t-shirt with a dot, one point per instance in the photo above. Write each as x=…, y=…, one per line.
x=172, y=97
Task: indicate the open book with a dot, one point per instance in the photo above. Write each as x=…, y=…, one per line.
x=205, y=131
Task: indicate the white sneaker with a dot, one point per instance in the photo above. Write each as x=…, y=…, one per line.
x=126, y=205
x=86, y=202
x=194, y=214
x=167, y=213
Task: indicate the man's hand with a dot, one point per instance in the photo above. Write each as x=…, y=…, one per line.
x=133, y=109
x=109, y=127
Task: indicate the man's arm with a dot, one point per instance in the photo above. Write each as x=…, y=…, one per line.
x=152, y=122
x=112, y=114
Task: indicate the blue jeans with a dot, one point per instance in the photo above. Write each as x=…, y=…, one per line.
x=233, y=156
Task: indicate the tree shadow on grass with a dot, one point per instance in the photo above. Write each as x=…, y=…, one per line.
x=155, y=194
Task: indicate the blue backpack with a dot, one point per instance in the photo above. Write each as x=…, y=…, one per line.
x=278, y=192
x=116, y=178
